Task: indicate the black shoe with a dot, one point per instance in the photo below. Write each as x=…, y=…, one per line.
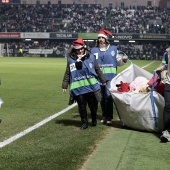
x=163, y=139
x=94, y=123
x=84, y=126
x=0, y=120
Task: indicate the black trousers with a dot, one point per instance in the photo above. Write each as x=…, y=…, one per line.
x=106, y=103
x=166, y=114
x=83, y=100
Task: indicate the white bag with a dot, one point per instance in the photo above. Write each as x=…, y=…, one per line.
x=139, y=111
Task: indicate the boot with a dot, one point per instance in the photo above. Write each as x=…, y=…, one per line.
x=83, y=115
x=94, y=121
x=84, y=124
x=93, y=109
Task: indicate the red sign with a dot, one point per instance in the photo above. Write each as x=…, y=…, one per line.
x=5, y=1
x=9, y=35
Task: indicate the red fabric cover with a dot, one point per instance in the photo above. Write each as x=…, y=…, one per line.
x=124, y=87
x=159, y=86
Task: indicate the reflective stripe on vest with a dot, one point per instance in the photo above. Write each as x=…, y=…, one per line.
x=163, y=62
x=107, y=70
x=82, y=83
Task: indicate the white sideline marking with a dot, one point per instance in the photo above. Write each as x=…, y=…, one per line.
x=17, y=136
x=148, y=64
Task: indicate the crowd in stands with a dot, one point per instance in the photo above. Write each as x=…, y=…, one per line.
x=144, y=51
x=78, y=18
x=147, y=51
x=82, y=18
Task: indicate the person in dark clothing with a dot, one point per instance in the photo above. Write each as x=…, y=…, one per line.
x=82, y=72
x=164, y=62
x=165, y=137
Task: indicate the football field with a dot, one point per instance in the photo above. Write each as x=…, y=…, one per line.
x=39, y=131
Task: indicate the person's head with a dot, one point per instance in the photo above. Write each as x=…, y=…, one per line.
x=79, y=46
x=167, y=48
x=103, y=37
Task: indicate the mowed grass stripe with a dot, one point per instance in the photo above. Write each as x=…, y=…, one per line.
x=30, y=92
x=59, y=144
x=20, y=134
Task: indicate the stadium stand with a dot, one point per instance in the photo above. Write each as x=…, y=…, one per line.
x=84, y=18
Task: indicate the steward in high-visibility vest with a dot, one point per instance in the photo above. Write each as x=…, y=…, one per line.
x=108, y=58
x=107, y=61
x=165, y=56
x=20, y=51
x=81, y=75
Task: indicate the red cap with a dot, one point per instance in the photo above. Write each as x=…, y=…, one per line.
x=79, y=43
x=104, y=33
